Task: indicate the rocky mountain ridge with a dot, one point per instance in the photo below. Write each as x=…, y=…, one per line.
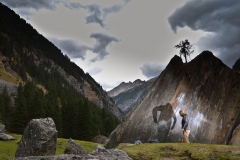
x=126, y=100
x=205, y=88
x=123, y=87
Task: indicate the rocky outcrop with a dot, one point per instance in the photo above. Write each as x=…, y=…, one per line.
x=123, y=87
x=103, y=153
x=99, y=139
x=235, y=140
x=99, y=153
x=74, y=148
x=6, y=137
x=126, y=100
x=39, y=138
x=205, y=88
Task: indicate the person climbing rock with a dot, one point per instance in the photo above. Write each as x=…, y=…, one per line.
x=185, y=126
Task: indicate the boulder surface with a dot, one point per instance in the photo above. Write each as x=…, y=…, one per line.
x=6, y=137
x=74, y=148
x=39, y=138
x=236, y=137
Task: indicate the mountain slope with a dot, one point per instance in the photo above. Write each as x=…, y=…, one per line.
x=126, y=100
x=123, y=87
x=205, y=88
x=17, y=38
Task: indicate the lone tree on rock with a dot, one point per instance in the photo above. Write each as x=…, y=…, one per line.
x=185, y=49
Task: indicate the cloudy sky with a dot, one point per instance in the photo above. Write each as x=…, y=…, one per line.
x=125, y=40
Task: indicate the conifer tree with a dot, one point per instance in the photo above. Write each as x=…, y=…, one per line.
x=20, y=118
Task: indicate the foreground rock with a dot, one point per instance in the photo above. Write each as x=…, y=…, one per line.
x=6, y=137
x=39, y=138
x=74, y=148
x=100, y=153
x=103, y=153
x=99, y=139
x=205, y=88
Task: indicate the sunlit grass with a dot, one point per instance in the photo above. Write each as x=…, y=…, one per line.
x=145, y=151
x=182, y=151
x=8, y=148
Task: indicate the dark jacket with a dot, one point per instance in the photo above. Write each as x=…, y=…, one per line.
x=185, y=122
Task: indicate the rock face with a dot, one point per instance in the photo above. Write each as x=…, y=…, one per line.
x=74, y=148
x=39, y=138
x=126, y=100
x=236, y=137
x=205, y=88
x=123, y=87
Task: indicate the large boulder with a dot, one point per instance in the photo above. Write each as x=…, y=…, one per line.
x=74, y=148
x=39, y=138
x=205, y=88
x=236, y=137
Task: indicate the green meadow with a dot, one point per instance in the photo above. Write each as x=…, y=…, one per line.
x=146, y=151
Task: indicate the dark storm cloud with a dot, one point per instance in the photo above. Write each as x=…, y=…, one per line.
x=100, y=47
x=75, y=49
x=220, y=18
x=151, y=70
x=35, y=4
x=97, y=14
x=72, y=48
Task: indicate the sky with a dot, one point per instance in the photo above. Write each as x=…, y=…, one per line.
x=123, y=40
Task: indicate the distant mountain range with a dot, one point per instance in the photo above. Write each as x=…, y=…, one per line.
x=127, y=95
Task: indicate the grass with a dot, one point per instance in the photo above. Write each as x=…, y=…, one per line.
x=8, y=77
x=147, y=151
x=181, y=151
x=8, y=148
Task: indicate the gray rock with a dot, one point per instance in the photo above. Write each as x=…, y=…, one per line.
x=2, y=128
x=6, y=137
x=56, y=157
x=236, y=137
x=100, y=153
x=39, y=138
x=99, y=139
x=74, y=148
x=111, y=154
